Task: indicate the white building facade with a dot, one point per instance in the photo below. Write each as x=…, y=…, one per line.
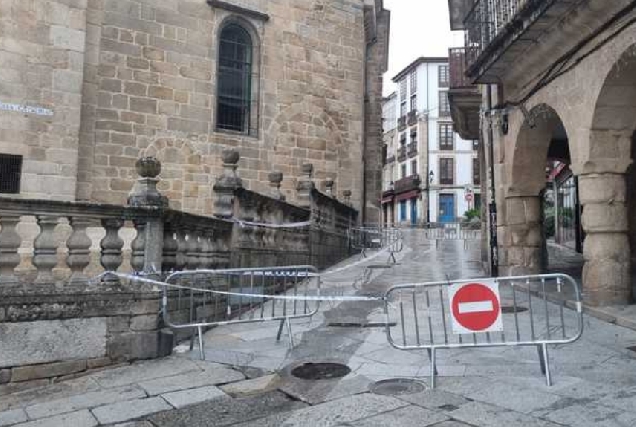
x=430, y=173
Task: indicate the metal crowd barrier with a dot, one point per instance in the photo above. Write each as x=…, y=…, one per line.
x=533, y=313
x=375, y=238
x=452, y=231
x=205, y=298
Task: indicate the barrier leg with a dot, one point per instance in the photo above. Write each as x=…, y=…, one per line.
x=289, y=332
x=201, y=352
x=192, y=335
x=433, y=368
x=541, y=360
x=280, y=330
x=546, y=363
x=436, y=243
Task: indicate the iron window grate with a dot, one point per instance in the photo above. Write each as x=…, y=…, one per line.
x=10, y=172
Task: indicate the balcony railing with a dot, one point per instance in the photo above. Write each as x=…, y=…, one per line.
x=412, y=149
x=486, y=21
x=390, y=159
x=408, y=183
x=402, y=123
x=402, y=153
x=457, y=68
x=411, y=119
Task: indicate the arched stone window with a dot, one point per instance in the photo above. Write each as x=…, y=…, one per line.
x=236, y=95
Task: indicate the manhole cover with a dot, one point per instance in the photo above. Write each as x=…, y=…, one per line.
x=320, y=371
x=397, y=386
x=510, y=309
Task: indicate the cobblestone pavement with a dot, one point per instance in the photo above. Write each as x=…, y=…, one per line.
x=245, y=380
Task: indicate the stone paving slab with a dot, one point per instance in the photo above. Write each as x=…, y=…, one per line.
x=315, y=392
x=252, y=386
x=434, y=399
x=83, y=401
x=73, y=419
x=130, y=410
x=226, y=411
x=516, y=398
x=208, y=377
x=144, y=371
x=485, y=415
x=591, y=414
x=331, y=413
x=50, y=392
x=410, y=416
x=182, y=398
x=12, y=416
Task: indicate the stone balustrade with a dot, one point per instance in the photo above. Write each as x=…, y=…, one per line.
x=50, y=249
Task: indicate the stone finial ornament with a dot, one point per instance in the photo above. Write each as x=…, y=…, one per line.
x=144, y=192
x=275, y=180
x=227, y=184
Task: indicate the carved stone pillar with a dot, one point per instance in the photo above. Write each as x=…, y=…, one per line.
x=145, y=194
x=606, y=274
x=275, y=179
x=226, y=185
x=192, y=251
x=79, y=245
x=111, y=246
x=9, y=245
x=305, y=185
x=45, y=249
x=182, y=248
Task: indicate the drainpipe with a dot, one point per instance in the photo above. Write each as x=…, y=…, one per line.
x=428, y=154
x=365, y=106
x=492, y=207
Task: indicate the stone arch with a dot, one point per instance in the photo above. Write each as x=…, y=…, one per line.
x=185, y=179
x=542, y=136
x=306, y=133
x=608, y=186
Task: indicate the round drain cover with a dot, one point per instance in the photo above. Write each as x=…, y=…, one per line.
x=397, y=386
x=320, y=371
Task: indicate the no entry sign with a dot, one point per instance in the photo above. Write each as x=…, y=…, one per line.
x=475, y=307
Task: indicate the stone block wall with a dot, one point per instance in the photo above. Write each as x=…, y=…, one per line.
x=41, y=67
x=149, y=89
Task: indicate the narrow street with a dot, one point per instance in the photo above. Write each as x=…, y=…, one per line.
x=246, y=379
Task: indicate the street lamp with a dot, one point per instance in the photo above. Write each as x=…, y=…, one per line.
x=431, y=175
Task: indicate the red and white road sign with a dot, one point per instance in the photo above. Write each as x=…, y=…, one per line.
x=469, y=197
x=475, y=307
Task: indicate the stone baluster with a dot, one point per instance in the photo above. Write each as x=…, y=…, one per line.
x=275, y=179
x=170, y=248
x=207, y=257
x=192, y=251
x=79, y=246
x=182, y=248
x=329, y=187
x=9, y=245
x=111, y=245
x=138, y=245
x=145, y=194
x=305, y=185
x=45, y=249
x=226, y=185
x=202, y=247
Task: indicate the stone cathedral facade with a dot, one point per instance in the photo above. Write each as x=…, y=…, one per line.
x=89, y=86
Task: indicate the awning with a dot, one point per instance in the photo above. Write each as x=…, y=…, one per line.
x=408, y=195
x=387, y=199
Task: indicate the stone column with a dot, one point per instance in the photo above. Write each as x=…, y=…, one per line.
x=524, y=236
x=275, y=178
x=305, y=185
x=606, y=274
x=226, y=185
x=145, y=194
